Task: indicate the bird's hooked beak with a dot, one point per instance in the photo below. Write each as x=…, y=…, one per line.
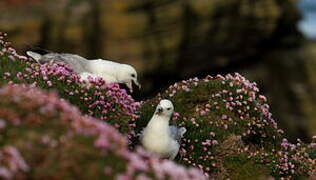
x=159, y=110
x=137, y=84
x=130, y=86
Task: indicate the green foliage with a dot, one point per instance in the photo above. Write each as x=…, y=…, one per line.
x=239, y=167
x=225, y=140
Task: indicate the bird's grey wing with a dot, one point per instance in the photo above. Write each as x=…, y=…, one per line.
x=78, y=63
x=50, y=58
x=177, y=133
x=141, y=135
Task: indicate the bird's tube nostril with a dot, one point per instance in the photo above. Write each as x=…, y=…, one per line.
x=160, y=110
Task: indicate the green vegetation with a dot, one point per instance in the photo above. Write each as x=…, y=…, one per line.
x=231, y=132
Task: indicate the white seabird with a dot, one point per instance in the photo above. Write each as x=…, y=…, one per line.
x=111, y=72
x=160, y=138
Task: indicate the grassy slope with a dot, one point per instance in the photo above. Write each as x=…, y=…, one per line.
x=227, y=161
x=249, y=144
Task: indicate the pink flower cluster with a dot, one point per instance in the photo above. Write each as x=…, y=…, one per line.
x=29, y=98
x=290, y=160
x=238, y=96
x=11, y=162
x=313, y=143
x=162, y=169
x=103, y=100
x=27, y=105
x=5, y=49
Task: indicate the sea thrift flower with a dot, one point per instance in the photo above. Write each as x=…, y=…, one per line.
x=33, y=109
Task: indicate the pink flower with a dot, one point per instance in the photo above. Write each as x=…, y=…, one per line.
x=5, y=173
x=262, y=98
x=2, y=124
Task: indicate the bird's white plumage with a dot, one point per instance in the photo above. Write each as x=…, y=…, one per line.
x=111, y=72
x=157, y=136
x=85, y=77
x=104, y=67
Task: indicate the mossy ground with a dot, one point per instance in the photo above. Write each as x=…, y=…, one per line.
x=220, y=160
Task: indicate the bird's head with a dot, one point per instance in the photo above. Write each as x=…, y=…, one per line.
x=128, y=75
x=164, y=108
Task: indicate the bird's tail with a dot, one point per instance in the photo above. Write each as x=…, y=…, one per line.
x=34, y=55
x=38, y=50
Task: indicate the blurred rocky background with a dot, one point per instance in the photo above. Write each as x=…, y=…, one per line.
x=271, y=42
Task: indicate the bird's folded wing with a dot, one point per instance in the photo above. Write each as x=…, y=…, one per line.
x=141, y=135
x=176, y=133
x=76, y=62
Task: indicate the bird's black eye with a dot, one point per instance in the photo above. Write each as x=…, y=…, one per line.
x=133, y=75
x=168, y=109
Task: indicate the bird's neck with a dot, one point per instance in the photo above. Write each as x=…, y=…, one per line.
x=96, y=66
x=159, y=123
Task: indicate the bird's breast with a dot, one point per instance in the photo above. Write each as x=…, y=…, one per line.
x=157, y=140
x=156, y=144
